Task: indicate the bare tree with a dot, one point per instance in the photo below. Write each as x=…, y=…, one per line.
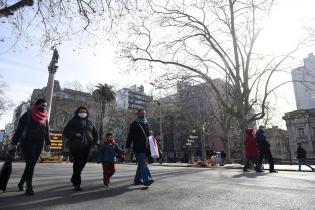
x=75, y=85
x=207, y=40
x=5, y=103
x=57, y=20
x=120, y=124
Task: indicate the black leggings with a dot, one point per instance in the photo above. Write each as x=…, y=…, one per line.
x=31, y=154
x=80, y=158
x=266, y=154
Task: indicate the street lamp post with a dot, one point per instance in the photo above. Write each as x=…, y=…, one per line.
x=52, y=69
x=161, y=120
x=161, y=127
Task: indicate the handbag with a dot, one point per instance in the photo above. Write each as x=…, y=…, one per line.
x=5, y=172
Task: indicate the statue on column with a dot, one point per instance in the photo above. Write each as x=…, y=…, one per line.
x=55, y=57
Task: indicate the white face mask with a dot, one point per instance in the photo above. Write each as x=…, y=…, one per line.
x=82, y=115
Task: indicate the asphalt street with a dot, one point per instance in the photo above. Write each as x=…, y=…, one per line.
x=174, y=188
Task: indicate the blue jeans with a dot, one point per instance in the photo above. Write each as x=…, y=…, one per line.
x=143, y=172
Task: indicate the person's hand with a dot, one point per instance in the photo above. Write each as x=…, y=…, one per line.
x=12, y=147
x=47, y=148
x=126, y=151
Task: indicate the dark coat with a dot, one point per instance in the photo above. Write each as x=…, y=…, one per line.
x=250, y=144
x=261, y=140
x=137, y=137
x=80, y=130
x=30, y=132
x=300, y=153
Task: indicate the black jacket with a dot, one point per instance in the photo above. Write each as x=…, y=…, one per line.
x=137, y=137
x=29, y=131
x=261, y=141
x=300, y=153
x=80, y=130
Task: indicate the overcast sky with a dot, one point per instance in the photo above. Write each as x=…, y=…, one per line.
x=25, y=69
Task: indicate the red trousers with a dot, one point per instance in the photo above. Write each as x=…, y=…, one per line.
x=108, y=170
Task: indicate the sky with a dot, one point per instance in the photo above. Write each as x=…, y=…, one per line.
x=25, y=69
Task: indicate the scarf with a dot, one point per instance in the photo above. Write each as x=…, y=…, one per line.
x=38, y=116
x=141, y=120
x=110, y=142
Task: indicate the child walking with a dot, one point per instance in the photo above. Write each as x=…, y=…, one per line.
x=107, y=156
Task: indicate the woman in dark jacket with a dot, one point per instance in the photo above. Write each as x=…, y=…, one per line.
x=82, y=135
x=138, y=137
x=31, y=133
x=251, y=150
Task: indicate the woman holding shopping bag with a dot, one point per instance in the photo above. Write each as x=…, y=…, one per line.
x=138, y=137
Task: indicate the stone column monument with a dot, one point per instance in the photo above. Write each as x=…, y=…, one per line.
x=52, y=69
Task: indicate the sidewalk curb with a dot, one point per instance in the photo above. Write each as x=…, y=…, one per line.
x=213, y=167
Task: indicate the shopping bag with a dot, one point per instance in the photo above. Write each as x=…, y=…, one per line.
x=5, y=172
x=153, y=147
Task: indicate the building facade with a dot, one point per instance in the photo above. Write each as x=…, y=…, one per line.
x=303, y=82
x=64, y=103
x=132, y=98
x=188, y=120
x=279, y=143
x=301, y=128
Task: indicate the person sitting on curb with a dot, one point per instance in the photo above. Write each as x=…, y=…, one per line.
x=301, y=156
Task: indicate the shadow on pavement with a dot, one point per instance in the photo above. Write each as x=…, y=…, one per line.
x=249, y=174
x=64, y=195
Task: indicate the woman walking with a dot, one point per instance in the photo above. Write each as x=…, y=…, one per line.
x=82, y=135
x=31, y=133
x=138, y=137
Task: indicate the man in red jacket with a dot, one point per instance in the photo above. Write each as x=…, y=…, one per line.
x=251, y=151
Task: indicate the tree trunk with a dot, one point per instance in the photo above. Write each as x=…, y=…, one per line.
x=243, y=126
x=226, y=146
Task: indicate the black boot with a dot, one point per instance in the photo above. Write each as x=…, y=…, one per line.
x=77, y=188
x=20, y=186
x=106, y=182
x=29, y=191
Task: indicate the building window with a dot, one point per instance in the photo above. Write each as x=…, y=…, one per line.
x=301, y=133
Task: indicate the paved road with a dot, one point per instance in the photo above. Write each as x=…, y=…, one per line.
x=174, y=188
